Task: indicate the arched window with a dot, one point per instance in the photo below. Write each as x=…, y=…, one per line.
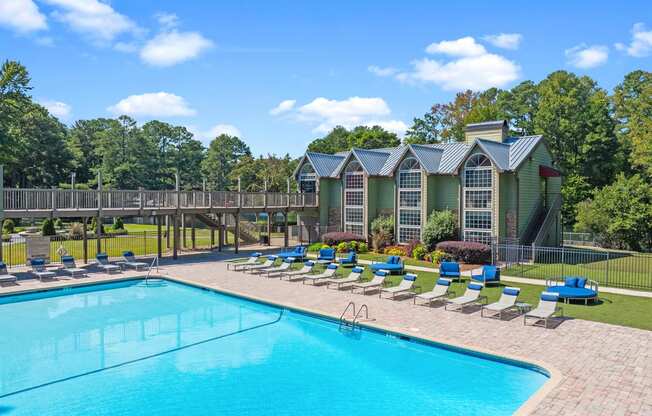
x=478, y=199
x=409, y=200
x=354, y=198
x=307, y=178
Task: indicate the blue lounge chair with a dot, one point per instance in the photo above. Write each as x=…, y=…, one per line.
x=450, y=270
x=326, y=255
x=298, y=253
x=487, y=275
x=350, y=260
x=574, y=288
x=4, y=275
x=393, y=265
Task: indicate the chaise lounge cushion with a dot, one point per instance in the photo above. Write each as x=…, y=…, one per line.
x=572, y=292
x=570, y=282
x=393, y=264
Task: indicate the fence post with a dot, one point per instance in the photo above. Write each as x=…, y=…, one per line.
x=85, y=240
x=563, y=260
x=607, y=267
x=145, y=242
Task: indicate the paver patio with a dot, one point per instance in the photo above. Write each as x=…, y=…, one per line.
x=597, y=369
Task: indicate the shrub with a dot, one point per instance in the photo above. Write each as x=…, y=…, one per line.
x=333, y=239
x=76, y=230
x=437, y=256
x=409, y=247
x=94, y=226
x=315, y=247
x=58, y=223
x=466, y=251
x=419, y=252
x=118, y=224
x=48, y=228
x=382, y=231
x=441, y=226
x=8, y=226
x=395, y=251
x=363, y=248
x=343, y=247
x=380, y=239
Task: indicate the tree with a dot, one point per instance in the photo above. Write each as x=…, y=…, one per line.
x=47, y=229
x=441, y=226
x=118, y=224
x=274, y=170
x=362, y=137
x=632, y=102
x=84, y=143
x=223, y=154
x=519, y=106
x=620, y=214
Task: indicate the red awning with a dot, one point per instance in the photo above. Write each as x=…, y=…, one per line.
x=548, y=172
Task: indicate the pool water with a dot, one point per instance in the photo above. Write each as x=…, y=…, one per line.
x=170, y=349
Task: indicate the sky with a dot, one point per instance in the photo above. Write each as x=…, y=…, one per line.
x=279, y=74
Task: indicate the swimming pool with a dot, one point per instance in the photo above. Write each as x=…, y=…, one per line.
x=167, y=348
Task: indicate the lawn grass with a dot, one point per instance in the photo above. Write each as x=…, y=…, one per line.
x=631, y=311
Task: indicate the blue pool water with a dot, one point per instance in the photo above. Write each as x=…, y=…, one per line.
x=171, y=349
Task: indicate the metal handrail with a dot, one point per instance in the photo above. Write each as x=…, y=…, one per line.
x=356, y=314
x=548, y=221
x=366, y=314
x=149, y=271
x=351, y=303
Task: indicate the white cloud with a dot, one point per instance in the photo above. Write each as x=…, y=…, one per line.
x=466, y=46
x=641, y=44
x=583, y=56
x=505, y=40
x=394, y=126
x=167, y=20
x=283, y=107
x=382, y=72
x=126, y=47
x=93, y=18
x=22, y=16
x=474, y=72
x=157, y=104
x=227, y=129
x=170, y=48
x=57, y=108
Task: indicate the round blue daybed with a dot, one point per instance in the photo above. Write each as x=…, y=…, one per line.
x=574, y=288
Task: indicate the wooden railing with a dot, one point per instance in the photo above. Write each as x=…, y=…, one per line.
x=16, y=199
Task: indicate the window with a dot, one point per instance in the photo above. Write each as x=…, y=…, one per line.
x=354, y=198
x=409, y=200
x=478, y=199
x=307, y=179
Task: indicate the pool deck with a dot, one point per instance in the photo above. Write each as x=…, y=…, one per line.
x=597, y=369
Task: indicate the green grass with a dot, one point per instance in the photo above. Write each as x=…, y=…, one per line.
x=631, y=311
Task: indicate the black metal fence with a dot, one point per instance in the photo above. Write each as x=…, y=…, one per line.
x=607, y=267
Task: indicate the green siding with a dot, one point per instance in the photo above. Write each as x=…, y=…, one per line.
x=529, y=184
x=507, y=200
x=329, y=197
x=380, y=196
x=446, y=193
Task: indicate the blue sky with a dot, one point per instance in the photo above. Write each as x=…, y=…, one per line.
x=280, y=74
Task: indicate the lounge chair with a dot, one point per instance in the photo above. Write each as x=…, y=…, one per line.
x=278, y=270
x=470, y=297
x=486, y=275
x=404, y=287
x=38, y=269
x=375, y=283
x=546, y=309
x=265, y=265
x=103, y=263
x=70, y=267
x=506, y=302
x=319, y=278
x=253, y=259
x=307, y=268
x=5, y=277
x=574, y=288
x=130, y=261
x=353, y=277
x=326, y=255
x=299, y=252
x=392, y=265
x=439, y=292
x=450, y=270
x=350, y=260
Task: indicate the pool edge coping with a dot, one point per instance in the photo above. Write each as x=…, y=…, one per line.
x=555, y=376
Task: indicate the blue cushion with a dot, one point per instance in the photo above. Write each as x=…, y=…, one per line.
x=256, y=254
x=67, y=258
x=2, y=264
x=357, y=270
x=332, y=266
x=449, y=266
x=37, y=262
x=128, y=254
x=581, y=282
x=443, y=282
x=271, y=257
x=573, y=292
x=102, y=256
x=511, y=291
x=387, y=266
x=551, y=297
x=474, y=286
x=411, y=277
x=380, y=273
x=570, y=282
x=309, y=263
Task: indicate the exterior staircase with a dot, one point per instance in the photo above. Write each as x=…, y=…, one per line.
x=248, y=231
x=541, y=223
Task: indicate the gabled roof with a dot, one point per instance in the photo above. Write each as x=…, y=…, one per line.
x=323, y=164
x=521, y=149
x=506, y=156
x=486, y=125
x=372, y=161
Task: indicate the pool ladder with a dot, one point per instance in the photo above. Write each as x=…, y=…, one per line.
x=345, y=323
x=151, y=266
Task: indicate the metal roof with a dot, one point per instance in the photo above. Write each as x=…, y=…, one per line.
x=485, y=125
x=441, y=158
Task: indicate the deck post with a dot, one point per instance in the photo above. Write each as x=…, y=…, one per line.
x=237, y=231
x=286, y=232
x=2, y=206
x=98, y=220
x=175, y=240
x=192, y=232
x=85, y=239
x=212, y=237
x=220, y=232
x=183, y=229
x=167, y=232
x=269, y=228
x=159, y=242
